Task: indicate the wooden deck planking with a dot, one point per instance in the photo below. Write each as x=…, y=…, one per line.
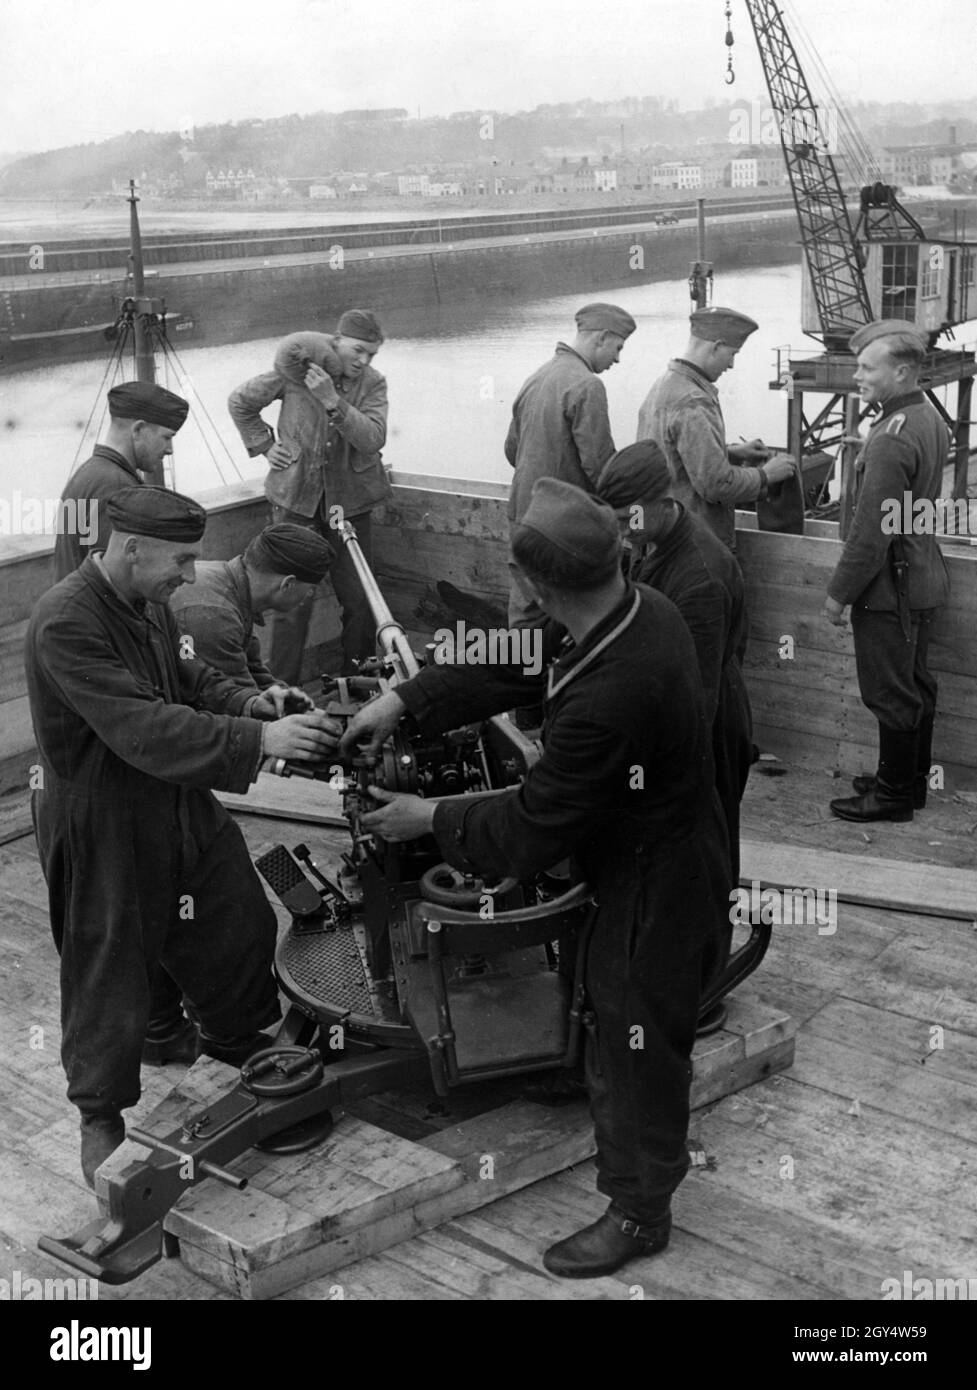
x=876, y=1193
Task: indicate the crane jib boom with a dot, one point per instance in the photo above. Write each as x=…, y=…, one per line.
x=827, y=235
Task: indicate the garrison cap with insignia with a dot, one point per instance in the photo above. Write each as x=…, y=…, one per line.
x=144, y=400
x=595, y=318
x=884, y=328
x=577, y=528
x=722, y=326
x=156, y=511
x=637, y=473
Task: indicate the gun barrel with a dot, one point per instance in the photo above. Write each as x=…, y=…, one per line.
x=392, y=640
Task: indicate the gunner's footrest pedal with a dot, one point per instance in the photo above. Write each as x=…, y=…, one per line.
x=288, y=882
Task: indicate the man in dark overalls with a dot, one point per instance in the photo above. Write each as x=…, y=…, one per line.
x=892, y=571
x=625, y=787
x=143, y=865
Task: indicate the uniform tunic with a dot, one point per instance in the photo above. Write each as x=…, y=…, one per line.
x=216, y=613
x=625, y=787
x=95, y=482
x=901, y=461
x=559, y=429
x=130, y=737
x=682, y=414
x=693, y=568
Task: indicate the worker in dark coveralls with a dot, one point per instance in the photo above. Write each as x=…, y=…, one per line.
x=682, y=414
x=624, y=786
x=142, y=863
x=559, y=423
x=677, y=554
x=894, y=578
x=325, y=466
x=279, y=571
x=143, y=420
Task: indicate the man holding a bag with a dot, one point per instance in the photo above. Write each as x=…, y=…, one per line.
x=325, y=465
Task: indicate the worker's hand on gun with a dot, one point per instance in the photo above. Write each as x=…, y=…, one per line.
x=322, y=386
x=400, y=815
x=374, y=723
x=302, y=738
x=279, y=700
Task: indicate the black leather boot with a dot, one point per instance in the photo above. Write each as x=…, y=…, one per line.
x=606, y=1245
x=891, y=798
x=234, y=1051
x=924, y=754
x=101, y=1135
x=181, y=1045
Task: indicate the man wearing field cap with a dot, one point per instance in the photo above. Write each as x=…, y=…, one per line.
x=144, y=867
x=682, y=414
x=624, y=787
x=143, y=418
x=559, y=423
x=279, y=571
x=325, y=466
x=677, y=554
x=892, y=571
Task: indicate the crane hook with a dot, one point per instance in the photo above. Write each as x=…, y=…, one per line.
x=730, y=74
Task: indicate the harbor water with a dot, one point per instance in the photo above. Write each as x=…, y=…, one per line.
x=451, y=386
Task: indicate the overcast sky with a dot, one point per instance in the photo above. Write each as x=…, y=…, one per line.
x=84, y=70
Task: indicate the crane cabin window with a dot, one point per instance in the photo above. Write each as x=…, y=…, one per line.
x=900, y=275
x=930, y=282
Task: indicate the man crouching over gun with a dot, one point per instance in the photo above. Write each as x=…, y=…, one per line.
x=625, y=787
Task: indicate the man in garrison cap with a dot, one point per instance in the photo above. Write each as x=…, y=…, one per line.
x=682, y=414
x=559, y=425
x=676, y=553
x=143, y=418
x=624, y=787
x=892, y=571
x=325, y=466
x=280, y=570
x=145, y=869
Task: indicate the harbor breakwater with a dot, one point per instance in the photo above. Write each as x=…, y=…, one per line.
x=251, y=298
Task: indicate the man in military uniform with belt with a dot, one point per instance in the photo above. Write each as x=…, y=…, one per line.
x=895, y=580
x=682, y=414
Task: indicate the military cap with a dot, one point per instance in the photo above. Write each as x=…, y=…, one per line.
x=884, y=328
x=144, y=400
x=637, y=473
x=362, y=324
x=606, y=317
x=156, y=511
x=290, y=549
x=576, y=528
x=722, y=326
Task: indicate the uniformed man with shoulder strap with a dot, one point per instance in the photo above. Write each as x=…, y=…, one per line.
x=894, y=578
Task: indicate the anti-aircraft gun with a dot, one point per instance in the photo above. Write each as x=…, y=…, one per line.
x=403, y=969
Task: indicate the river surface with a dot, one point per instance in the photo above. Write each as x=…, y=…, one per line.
x=451, y=386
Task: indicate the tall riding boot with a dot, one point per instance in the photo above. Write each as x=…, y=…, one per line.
x=924, y=754
x=892, y=796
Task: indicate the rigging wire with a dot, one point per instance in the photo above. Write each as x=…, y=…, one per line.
x=109, y=376
x=183, y=376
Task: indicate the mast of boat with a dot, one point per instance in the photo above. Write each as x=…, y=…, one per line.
x=142, y=308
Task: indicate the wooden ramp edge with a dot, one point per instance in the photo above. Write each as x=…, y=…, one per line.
x=303, y=1216
x=899, y=885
